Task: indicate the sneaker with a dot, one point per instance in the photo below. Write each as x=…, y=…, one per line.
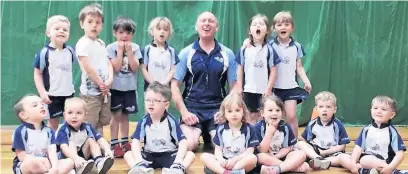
x=117, y=151
x=86, y=168
x=367, y=171
x=141, y=170
x=241, y=171
x=172, y=171
x=104, y=165
x=127, y=147
x=267, y=169
x=399, y=171
x=319, y=164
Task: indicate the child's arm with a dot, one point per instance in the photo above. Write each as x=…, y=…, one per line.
x=355, y=155
x=333, y=149
x=240, y=77
x=84, y=60
x=110, y=75
x=249, y=150
x=170, y=75
x=39, y=84
x=266, y=141
x=399, y=157
x=105, y=147
x=302, y=74
x=218, y=153
x=283, y=152
x=271, y=80
x=136, y=149
x=116, y=58
x=22, y=155
x=181, y=153
x=52, y=156
x=133, y=63
x=146, y=74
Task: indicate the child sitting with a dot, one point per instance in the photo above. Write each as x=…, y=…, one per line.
x=79, y=140
x=164, y=143
x=235, y=140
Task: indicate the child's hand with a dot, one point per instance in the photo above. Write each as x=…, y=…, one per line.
x=267, y=92
x=386, y=169
x=246, y=43
x=52, y=170
x=308, y=87
x=45, y=98
x=79, y=162
x=128, y=46
x=121, y=46
x=230, y=163
x=223, y=163
x=270, y=128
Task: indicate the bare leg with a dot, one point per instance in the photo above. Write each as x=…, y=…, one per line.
x=211, y=163
x=291, y=118
x=124, y=125
x=130, y=159
x=65, y=165
x=114, y=125
x=188, y=159
x=308, y=149
x=192, y=136
x=248, y=163
x=53, y=123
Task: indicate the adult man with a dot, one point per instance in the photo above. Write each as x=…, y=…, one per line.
x=204, y=67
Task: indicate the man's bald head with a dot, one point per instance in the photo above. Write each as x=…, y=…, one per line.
x=207, y=14
x=206, y=25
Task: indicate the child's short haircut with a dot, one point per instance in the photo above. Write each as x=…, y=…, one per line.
x=282, y=17
x=93, y=9
x=156, y=22
x=386, y=100
x=326, y=96
x=231, y=99
x=54, y=19
x=18, y=105
x=125, y=24
x=265, y=19
x=273, y=98
x=163, y=90
x=74, y=100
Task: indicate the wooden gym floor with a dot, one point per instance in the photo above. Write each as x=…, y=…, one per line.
x=197, y=168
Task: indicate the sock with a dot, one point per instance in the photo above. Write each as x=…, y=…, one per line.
x=114, y=142
x=98, y=159
x=124, y=140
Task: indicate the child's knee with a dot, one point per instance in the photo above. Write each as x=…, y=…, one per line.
x=252, y=158
x=190, y=154
x=205, y=157
x=65, y=165
x=128, y=155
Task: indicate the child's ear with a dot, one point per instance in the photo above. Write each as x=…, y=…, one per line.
x=393, y=115
x=81, y=24
x=47, y=33
x=22, y=115
x=335, y=109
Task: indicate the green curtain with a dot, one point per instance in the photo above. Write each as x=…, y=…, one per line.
x=354, y=49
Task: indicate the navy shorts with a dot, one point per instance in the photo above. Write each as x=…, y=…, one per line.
x=252, y=101
x=160, y=159
x=317, y=149
x=56, y=107
x=204, y=123
x=124, y=100
x=298, y=94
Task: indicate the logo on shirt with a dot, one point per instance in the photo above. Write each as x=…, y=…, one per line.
x=259, y=64
x=158, y=64
x=159, y=142
x=125, y=68
x=219, y=59
x=286, y=60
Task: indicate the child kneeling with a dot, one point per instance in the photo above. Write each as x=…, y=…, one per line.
x=235, y=140
x=164, y=143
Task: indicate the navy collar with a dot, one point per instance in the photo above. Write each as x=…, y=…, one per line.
x=242, y=129
x=52, y=48
x=319, y=121
x=166, y=45
x=291, y=43
x=149, y=120
x=197, y=46
x=31, y=126
x=81, y=128
x=384, y=125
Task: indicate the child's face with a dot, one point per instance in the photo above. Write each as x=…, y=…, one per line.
x=381, y=112
x=161, y=33
x=59, y=32
x=33, y=109
x=155, y=103
x=326, y=110
x=271, y=112
x=258, y=29
x=92, y=26
x=123, y=35
x=283, y=29
x=234, y=113
x=74, y=114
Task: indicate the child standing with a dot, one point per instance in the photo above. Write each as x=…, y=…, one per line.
x=164, y=144
x=235, y=140
x=80, y=141
x=379, y=147
x=256, y=71
x=159, y=59
x=33, y=142
x=124, y=56
x=97, y=71
x=276, y=154
x=325, y=137
x=53, y=69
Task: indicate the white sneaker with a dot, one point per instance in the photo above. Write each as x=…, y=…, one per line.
x=86, y=168
x=104, y=165
x=139, y=170
x=172, y=171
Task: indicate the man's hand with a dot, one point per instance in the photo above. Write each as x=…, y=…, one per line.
x=189, y=118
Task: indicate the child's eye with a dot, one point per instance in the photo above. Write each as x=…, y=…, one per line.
x=270, y=110
x=70, y=112
x=229, y=111
x=79, y=113
x=65, y=30
x=278, y=110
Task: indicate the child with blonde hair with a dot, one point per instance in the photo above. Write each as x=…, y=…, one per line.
x=235, y=140
x=159, y=59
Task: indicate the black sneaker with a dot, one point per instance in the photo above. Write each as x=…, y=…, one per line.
x=319, y=164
